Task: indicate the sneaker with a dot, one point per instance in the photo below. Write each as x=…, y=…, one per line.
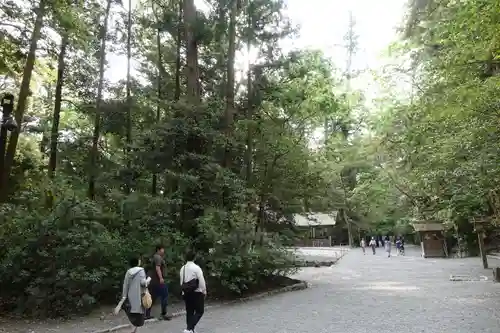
x=187, y=331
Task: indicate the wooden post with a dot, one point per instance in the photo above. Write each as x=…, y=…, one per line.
x=482, y=250
x=478, y=224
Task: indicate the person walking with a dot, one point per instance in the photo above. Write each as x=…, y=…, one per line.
x=158, y=286
x=388, y=246
x=194, y=290
x=135, y=286
x=363, y=245
x=373, y=244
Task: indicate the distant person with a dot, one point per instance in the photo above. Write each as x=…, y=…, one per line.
x=135, y=286
x=363, y=245
x=388, y=246
x=194, y=291
x=158, y=286
x=373, y=244
x=400, y=246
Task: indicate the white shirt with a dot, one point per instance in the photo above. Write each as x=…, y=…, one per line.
x=193, y=271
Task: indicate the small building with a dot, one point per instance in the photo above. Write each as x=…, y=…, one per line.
x=319, y=228
x=432, y=240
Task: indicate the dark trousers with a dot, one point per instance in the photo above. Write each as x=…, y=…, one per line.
x=159, y=291
x=195, y=306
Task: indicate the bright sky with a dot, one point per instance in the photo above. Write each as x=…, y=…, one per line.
x=323, y=24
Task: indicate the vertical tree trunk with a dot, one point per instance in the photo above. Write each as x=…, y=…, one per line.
x=94, y=151
x=230, y=81
x=171, y=185
x=177, y=94
x=193, y=88
x=21, y=102
x=249, y=136
x=154, y=185
x=54, y=133
x=249, y=113
x=128, y=139
x=349, y=180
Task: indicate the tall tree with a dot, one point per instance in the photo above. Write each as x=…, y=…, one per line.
x=24, y=92
x=94, y=151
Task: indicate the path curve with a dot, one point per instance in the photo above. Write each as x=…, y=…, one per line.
x=367, y=293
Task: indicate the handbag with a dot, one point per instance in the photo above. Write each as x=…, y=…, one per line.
x=189, y=286
x=147, y=300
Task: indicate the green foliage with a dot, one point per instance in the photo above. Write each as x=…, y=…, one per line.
x=58, y=263
x=217, y=173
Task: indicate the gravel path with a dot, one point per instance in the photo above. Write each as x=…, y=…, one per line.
x=365, y=293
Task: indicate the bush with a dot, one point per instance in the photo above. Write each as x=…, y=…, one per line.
x=237, y=264
x=60, y=264
x=71, y=259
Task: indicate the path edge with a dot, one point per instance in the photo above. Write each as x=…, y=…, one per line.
x=294, y=287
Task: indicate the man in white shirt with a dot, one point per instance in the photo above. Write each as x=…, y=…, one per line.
x=194, y=290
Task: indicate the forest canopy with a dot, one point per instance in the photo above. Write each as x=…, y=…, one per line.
x=193, y=150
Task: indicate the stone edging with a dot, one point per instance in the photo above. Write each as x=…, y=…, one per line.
x=297, y=286
x=309, y=263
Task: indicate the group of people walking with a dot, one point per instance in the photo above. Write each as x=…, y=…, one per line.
x=142, y=287
x=386, y=243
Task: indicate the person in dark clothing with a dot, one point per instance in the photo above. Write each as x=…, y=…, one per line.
x=158, y=287
x=194, y=292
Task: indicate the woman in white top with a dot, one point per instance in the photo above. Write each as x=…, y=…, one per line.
x=194, y=290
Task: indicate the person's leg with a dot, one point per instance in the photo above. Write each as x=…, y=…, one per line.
x=163, y=298
x=163, y=294
x=190, y=309
x=199, y=308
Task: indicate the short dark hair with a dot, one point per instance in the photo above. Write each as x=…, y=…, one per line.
x=190, y=255
x=159, y=247
x=133, y=262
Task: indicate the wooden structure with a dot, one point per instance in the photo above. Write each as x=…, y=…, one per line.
x=318, y=228
x=432, y=240
x=479, y=226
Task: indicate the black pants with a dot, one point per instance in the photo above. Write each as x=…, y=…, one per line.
x=195, y=306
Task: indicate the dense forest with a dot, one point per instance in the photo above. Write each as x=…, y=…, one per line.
x=195, y=149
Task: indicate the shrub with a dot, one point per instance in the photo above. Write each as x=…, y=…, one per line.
x=66, y=261
x=60, y=264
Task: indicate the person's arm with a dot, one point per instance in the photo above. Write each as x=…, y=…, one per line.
x=181, y=275
x=159, y=273
x=202, y=284
x=126, y=282
x=144, y=279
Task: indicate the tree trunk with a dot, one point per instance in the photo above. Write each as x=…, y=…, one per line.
x=94, y=151
x=177, y=95
x=230, y=81
x=154, y=185
x=24, y=92
x=249, y=114
x=128, y=143
x=193, y=89
x=54, y=133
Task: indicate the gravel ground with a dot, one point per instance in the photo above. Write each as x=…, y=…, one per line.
x=361, y=293
x=365, y=293
x=320, y=253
